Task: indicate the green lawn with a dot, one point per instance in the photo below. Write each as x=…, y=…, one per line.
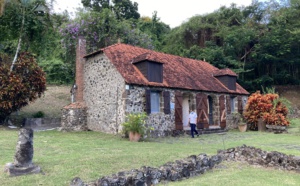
x=91, y=155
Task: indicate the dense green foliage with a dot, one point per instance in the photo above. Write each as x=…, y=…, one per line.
x=21, y=86
x=260, y=42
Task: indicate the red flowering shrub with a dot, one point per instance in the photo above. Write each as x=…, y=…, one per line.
x=266, y=106
x=24, y=84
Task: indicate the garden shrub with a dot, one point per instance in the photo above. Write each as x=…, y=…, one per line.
x=23, y=85
x=269, y=107
x=39, y=114
x=136, y=122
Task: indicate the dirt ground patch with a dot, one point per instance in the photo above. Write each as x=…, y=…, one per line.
x=51, y=103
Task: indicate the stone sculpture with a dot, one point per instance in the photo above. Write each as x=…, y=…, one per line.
x=22, y=164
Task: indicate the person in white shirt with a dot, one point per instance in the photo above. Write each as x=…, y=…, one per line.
x=192, y=122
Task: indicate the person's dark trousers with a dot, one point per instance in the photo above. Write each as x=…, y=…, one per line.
x=193, y=129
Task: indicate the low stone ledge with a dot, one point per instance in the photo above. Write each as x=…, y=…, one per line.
x=172, y=171
x=276, y=128
x=256, y=156
x=42, y=123
x=74, y=117
x=195, y=166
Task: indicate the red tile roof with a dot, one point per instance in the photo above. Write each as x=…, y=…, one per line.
x=178, y=72
x=75, y=105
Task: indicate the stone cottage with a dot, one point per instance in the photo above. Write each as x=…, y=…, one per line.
x=122, y=79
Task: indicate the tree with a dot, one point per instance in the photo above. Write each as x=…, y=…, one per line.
x=23, y=85
x=24, y=20
x=259, y=42
x=123, y=9
x=101, y=29
x=153, y=27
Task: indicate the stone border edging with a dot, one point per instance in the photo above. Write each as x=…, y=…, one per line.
x=172, y=171
x=256, y=156
x=194, y=166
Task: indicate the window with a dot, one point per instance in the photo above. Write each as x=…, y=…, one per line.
x=155, y=101
x=153, y=71
x=232, y=103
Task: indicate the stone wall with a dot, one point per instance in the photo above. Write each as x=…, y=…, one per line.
x=256, y=156
x=233, y=119
x=42, y=123
x=103, y=91
x=169, y=172
x=195, y=166
x=162, y=124
x=74, y=117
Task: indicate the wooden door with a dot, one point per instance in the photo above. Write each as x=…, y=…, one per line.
x=222, y=111
x=178, y=111
x=202, y=111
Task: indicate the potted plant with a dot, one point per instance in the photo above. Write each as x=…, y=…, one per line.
x=242, y=125
x=135, y=126
x=239, y=121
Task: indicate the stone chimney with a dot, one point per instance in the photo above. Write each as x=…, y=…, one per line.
x=80, y=53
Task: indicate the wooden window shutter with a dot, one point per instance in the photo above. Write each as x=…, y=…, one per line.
x=222, y=111
x=228, y=105
x=148, y=101
x=178, y=111
x=240, y=105
x=166, y=95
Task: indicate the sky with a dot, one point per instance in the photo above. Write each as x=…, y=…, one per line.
x=171, y=12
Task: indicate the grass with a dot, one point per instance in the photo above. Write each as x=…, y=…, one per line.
x=91, y=155
x=51, y=103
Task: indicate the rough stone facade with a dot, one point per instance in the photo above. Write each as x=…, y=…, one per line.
x=74, y=117
x=103, y=94
x=162, y=124
x=109, y=99
x=232, y=119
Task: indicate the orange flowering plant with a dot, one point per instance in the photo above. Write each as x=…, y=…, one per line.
x=269, y=107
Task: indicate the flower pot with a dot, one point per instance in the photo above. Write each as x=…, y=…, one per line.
x=134, y=136
x=242, y=127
